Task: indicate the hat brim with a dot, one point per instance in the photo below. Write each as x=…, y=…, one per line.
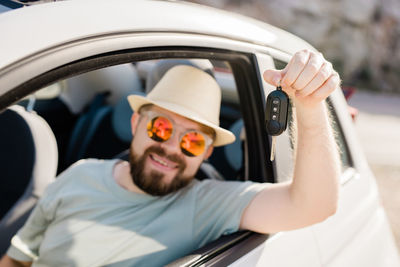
x=222, y=137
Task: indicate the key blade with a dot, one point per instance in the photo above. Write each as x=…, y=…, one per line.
x=272, y=154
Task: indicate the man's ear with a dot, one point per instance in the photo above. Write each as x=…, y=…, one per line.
x=209, y=152
x=134, y=122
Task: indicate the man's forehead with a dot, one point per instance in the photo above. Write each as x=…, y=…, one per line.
x=183, y=121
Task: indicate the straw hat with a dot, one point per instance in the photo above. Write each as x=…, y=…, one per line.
x=191, y=93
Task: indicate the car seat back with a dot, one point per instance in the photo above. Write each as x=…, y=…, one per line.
x=97, y=133
x=29, y=160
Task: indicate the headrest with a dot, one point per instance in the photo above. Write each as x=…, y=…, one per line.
x=29, y=149
x=121, y=119
x=119, y=80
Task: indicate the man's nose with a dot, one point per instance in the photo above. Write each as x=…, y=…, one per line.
x=172, y=144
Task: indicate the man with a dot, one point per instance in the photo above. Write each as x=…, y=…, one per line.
x=150, y=211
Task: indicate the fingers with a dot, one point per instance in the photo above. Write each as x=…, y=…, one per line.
x=327, y=88
x=318, y=80
x=273, y=76
x=295, y=68
x=307, y=74
x=310, y=71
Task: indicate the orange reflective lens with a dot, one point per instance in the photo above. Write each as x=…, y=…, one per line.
x=192, y=144
x=159, y=129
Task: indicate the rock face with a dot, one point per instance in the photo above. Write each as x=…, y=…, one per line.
x=360, y=37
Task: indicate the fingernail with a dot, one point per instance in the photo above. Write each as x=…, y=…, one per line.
x=276, y=79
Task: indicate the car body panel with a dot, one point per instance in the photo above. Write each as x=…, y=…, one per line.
x=280, y=248
x=68, y=24
x=360, y=215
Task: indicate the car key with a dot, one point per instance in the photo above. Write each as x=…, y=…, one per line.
x=276, y=115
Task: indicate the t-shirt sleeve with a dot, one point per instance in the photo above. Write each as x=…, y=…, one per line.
x=219, y=207
x=25, y=244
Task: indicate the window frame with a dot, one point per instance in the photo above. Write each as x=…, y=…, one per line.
x=252, y=103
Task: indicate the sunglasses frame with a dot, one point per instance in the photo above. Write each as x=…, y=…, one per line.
x=151, y=114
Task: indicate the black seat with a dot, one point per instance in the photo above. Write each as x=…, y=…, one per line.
x=29, y=160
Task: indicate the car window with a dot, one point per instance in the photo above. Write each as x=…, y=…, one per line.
x=90, y=116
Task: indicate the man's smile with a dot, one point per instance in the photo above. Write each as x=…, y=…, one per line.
x=162, y=162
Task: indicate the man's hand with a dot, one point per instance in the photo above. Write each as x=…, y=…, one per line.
x=308, y=78
x=312, y=195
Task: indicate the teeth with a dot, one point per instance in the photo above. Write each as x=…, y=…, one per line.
x=160, y=161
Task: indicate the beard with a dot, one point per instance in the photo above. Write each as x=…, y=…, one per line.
x=152, y=182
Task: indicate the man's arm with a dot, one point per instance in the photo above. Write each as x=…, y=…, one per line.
x=312, y=195
x=6, y=261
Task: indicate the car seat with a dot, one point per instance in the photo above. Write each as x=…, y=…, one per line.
x=234, y=152
x=29, y=160
x=118, y=80
x=47, y=104
x=96, y=133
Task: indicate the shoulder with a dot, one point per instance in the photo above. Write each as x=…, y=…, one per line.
x=88, y=166
x=80, y=171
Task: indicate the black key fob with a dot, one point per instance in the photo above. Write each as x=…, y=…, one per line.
x=276, y=113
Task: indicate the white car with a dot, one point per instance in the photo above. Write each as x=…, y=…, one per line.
x=86, y=56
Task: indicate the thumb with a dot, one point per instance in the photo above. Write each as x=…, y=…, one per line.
x=273, y=76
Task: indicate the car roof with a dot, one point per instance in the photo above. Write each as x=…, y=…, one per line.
x=30, y=30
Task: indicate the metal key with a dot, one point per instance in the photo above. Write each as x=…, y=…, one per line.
x=276, y=115
x=272, y=153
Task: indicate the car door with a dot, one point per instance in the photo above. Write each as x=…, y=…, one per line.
x=360, y=222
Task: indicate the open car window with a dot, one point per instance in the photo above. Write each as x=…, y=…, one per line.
x=90, y=116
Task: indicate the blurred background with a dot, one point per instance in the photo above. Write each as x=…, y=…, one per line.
x=360, y=37
x=362, y=40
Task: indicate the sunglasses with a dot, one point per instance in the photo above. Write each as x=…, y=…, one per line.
x=160, y=129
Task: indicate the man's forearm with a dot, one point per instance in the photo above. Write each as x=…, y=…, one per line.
x=317, y=166
x=6, y=261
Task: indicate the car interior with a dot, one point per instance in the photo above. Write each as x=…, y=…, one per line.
x=88, y=116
